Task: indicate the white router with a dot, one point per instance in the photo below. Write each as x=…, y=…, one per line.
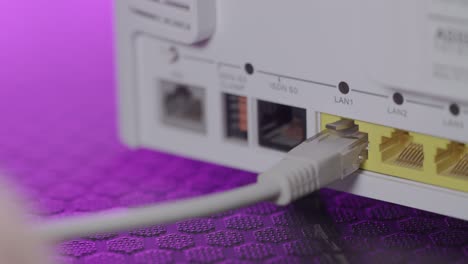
x=240, y=82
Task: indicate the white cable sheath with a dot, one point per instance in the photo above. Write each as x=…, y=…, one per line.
x=327, y=157
x=127, y=219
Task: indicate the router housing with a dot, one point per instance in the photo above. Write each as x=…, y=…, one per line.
x=240, y=82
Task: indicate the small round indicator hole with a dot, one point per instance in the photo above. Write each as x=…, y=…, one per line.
x=249, y=68
x=454, y=109
x=343, y=87
x=398, y=98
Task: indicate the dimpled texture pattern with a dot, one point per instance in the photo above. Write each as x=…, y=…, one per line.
x=58, y=142
x=95, y=173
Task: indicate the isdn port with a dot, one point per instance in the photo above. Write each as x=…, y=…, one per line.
x=280, y=127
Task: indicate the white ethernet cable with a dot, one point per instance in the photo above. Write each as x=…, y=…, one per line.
x=325, y=158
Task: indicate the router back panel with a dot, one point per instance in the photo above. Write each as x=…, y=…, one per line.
x=241, y=82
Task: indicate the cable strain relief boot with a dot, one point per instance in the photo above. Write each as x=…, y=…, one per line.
x=296, y=178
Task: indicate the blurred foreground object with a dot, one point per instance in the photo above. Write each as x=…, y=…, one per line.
x=18, y=243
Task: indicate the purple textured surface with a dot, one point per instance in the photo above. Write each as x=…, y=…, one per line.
x=58, y=141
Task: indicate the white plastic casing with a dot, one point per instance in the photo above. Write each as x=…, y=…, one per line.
x=183, y=21
x=300, y=50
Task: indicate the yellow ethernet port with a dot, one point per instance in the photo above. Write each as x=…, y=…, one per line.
x=413, y=156
x=400, y=150
x=453, y=161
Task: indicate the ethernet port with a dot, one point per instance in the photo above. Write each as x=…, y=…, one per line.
x=236, y=117
x=281, y=127
x=400, y=150
x=453, y=160
x=183, y=106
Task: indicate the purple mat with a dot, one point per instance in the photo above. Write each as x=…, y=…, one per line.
x=58, y=141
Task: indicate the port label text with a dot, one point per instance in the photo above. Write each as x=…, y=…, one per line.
x=397, y=111
x=343, y=100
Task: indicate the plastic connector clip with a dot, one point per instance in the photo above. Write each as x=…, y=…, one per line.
x=325, y=158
